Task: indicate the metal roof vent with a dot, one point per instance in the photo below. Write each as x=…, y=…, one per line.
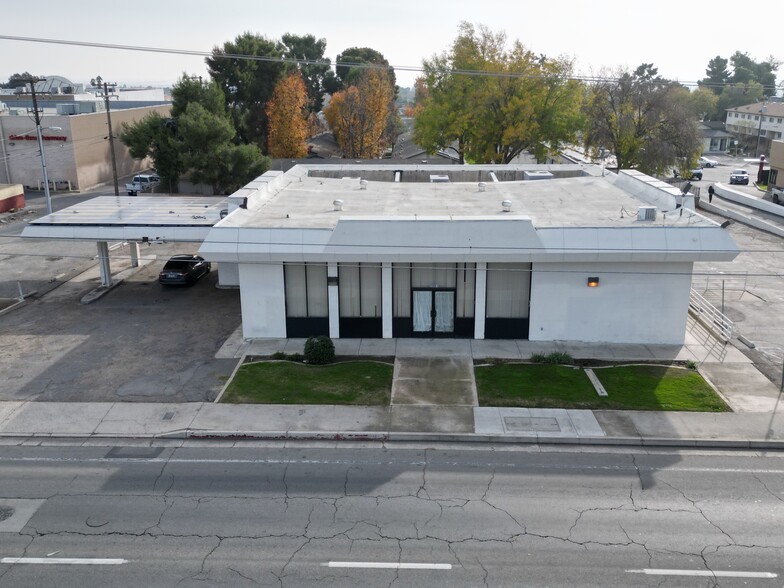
x=506, y=205
x=337, y=204
x=646, y=213
x=482, y=186
x=363, y=184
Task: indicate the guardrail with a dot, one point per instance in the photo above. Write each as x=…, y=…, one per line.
x=710, y=315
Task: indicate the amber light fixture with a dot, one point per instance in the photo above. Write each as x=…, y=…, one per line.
x=593, y=282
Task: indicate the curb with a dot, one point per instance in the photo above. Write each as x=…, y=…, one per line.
x=202, y=435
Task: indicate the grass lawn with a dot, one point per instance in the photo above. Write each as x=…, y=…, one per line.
x=628, y=388
x=283, y=382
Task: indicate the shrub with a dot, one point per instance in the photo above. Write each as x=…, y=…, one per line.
x=556, y=358
x=691, y=364
x=319, y=350
x=279, y=355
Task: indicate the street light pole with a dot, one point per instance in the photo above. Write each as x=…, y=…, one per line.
x=763, y=110
x=111, y=138
x=41, y=147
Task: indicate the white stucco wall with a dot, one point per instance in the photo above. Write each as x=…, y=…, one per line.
x=263, y=300
x=228, y=274
x=634, y=303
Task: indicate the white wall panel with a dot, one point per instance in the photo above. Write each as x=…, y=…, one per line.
x=262, y=295
x=634, y=303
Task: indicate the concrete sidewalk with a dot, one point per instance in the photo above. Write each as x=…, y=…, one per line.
x=37, y=421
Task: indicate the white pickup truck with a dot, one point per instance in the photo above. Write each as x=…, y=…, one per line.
x=142, y=183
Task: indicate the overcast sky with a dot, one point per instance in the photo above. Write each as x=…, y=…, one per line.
x=679, y=37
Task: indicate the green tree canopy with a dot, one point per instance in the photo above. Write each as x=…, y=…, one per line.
x=517, y=101
x=17, y=80
x=192, y=89
x=156, y=137
x=648, y=122
x=247, y=84
x=348, y=73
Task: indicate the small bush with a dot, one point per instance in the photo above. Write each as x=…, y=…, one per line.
x=555, y=358
x=298, y=357
x=691, y=364
x=279, y=355
x=319, y=350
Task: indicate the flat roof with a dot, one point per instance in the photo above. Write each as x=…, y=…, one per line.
x=303, y=199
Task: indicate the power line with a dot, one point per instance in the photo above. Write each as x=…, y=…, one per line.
x=350, y=64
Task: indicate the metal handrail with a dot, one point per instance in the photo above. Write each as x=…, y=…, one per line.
x=711, y=315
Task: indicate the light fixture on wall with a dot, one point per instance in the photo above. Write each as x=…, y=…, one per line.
x=593, y=282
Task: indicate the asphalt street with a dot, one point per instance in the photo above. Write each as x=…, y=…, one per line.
x=264, y=515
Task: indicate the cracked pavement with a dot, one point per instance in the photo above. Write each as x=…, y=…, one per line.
x=268, y=515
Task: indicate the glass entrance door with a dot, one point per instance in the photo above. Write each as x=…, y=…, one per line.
x=434, y=311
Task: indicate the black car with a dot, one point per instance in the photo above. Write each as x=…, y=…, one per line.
x=694, y=174
x=183, y=270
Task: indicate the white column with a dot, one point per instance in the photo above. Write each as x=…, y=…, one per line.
x=134, y=247
x=386, y=300
x=334, y=300
x=103, y=263
x=480, y=300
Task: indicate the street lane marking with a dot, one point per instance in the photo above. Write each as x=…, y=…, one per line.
x=63, y=561
x=706, y=573
x=388, y=565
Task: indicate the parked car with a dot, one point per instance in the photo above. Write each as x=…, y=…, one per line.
x=695, y=174
x=142, y=183
x=183, y=270
x=705, y=162
x=739, y=176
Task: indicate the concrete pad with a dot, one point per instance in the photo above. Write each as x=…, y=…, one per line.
x=445, y=381
x=378, y=347
x=346, y=346
x=585, y=423
x=743, y=386
x=434, y=419
x=653, y=424
x=295, y=346
x=433, y=347
x=616, y=423
x=57, y=418
x=276, y=417
x=487, y=420
x=233, y=347
x=495, y=348
x=265, y=346
x=132, y=419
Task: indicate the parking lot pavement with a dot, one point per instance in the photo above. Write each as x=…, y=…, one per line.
x=140, y=342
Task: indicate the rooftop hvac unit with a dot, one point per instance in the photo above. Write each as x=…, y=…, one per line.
x=68, y=108
x=646, y=213
x=439, y=179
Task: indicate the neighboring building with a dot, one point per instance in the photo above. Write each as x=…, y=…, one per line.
x=751, y=124
x=715, y=139
x=546, y=253
x=776, y=161
x=78, y=155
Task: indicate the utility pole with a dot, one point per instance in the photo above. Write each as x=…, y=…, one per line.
x=37, y=115
x=111, y=134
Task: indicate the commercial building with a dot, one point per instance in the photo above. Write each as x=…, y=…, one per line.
x=756, y=124
x=78, y=154
x=546, y=253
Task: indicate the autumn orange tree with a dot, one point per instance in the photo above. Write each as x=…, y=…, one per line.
x=359, y=115
x=286, y=111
